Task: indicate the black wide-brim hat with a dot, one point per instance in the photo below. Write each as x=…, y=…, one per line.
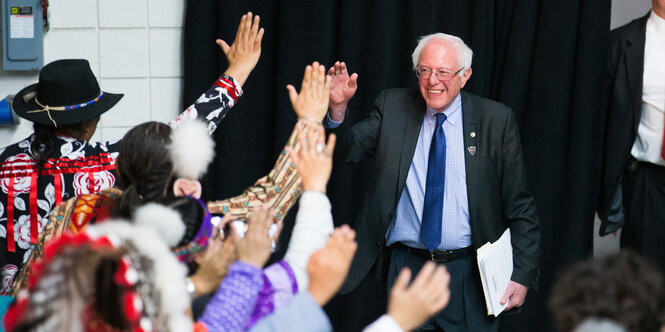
x=67, y=93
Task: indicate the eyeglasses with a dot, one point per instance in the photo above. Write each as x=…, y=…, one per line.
x=442, y=75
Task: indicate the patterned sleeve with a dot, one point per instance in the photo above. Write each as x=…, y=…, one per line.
x=280, y=188
x=232, y=305
x=279, y=287
x=213, y=105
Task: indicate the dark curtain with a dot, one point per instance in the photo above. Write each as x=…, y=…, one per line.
x=542, y=58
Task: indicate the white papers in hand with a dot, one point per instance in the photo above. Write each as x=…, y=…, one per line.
x=495, y=262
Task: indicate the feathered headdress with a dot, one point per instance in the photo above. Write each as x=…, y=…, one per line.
x=66, y=284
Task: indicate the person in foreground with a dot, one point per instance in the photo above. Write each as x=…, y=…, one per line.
x=409, y=306
x=622, y=289
x=447, y=177
x=57, y=162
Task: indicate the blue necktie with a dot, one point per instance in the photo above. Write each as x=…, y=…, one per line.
x=430, y=230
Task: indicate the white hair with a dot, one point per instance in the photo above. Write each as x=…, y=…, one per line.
x=464, y=53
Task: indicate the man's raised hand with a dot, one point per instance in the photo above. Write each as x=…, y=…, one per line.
x=342, y=89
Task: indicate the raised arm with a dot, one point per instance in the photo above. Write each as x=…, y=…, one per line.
x=327, y=268
x=215, y=261
x=312, y=159
x=243, y=55
x=314, y=221
x=411, y=305
x=245, y=52
x=282, y=187
x=312, y=101
x=343, y=87
x=232, y=305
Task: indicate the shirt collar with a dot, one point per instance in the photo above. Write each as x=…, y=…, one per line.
x=657, y=23
x=453, y=112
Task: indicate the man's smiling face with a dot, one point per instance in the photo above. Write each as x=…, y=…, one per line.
x=440, y=55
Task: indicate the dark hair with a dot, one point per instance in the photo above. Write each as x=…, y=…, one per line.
x=44, y=137
x=108, y=294
x=144, y=167
x=624, y=288
x=30, y=325
x=192, y=214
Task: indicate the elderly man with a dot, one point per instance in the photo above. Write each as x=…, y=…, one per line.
x=447, y=177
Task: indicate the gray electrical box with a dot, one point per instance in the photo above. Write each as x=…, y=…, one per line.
x=22, y=35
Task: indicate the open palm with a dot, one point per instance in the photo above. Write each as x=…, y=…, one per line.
x=342, y=88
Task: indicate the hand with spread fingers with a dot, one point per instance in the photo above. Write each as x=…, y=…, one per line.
x=342, y=89
x=312, y=101
x=411, y=305
x=328, y=267
x=214, y=262
x=255, y=247
x=244, y=53
x=312, y=157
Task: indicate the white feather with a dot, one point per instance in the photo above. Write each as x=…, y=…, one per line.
x=168, y=274
x=192, y=149
x=165, y=221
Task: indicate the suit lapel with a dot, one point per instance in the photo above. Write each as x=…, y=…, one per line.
x=634, y=61
x=471, y=153
x=413, y=123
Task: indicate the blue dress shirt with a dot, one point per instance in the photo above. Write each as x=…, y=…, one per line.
x=455, y=230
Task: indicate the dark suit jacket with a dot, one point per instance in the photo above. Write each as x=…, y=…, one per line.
x=623, y=103
x=495, y=175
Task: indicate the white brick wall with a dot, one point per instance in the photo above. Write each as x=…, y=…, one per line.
x=133, y=46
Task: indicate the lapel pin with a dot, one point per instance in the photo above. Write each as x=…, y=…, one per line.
x=473, y=134
x=472, y=150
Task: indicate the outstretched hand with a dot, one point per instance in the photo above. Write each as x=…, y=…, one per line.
x=312, y=101
x=412, y=305
x=214, y=262
x=245, y=52
x=342, y=89
x=312, y=157
x=256, y=246
x=327, y=268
